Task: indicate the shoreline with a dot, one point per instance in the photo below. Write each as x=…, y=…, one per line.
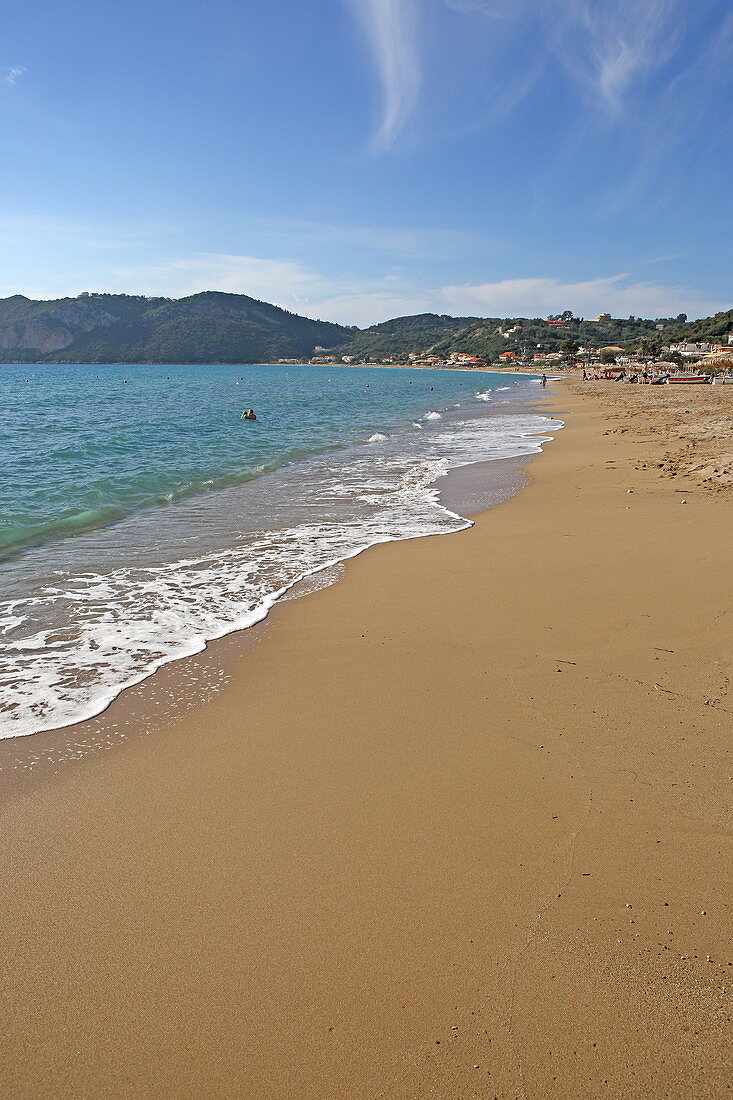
x=491, y=482
x=457, y=826
x=163, y=696
x=488, y=369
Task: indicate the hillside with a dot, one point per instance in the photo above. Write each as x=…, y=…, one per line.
x=707, y=329
x=403, y=335
x=492, y=336
x=214, y=327
x=210, y=327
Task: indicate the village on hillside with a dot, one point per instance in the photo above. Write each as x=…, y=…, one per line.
x=702, y=356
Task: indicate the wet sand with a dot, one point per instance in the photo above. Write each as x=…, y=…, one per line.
x=457, y=826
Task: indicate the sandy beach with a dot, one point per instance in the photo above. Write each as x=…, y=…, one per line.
x=457, y=826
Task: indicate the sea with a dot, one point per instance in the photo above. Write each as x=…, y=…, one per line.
x=141, y=516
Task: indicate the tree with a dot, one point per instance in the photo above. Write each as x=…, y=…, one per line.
x=607, y=356
x=569, y=347
x=681, y=318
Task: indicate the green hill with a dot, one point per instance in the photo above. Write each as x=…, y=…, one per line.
x=211, y=327
x=403, y=335
x=492, y=336
x=711, y=330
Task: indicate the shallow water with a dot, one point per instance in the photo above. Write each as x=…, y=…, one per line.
x=141, y=518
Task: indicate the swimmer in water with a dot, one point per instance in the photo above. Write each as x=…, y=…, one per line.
x=249, y=415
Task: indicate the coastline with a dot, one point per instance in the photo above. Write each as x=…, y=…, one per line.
x=398, y=853
x=162, y=697
x=246, y=514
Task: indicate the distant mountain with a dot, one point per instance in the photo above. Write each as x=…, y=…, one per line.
x=211, y=327
x=214, y=327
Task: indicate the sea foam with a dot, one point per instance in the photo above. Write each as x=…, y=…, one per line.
x=91, y=615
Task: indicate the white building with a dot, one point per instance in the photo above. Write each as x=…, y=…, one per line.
x=691, y=349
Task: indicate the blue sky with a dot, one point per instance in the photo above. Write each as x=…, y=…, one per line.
x=360, y=159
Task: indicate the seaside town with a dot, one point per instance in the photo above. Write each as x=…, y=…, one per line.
x=703, y=361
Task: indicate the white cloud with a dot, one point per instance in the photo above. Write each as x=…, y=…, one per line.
x=363, y=302
x=12, y=74
x=607, y=46
x=615, y=294
x=391, y=29
x=614, y=44
x=99, y=258
x=484, y=57
x=371, y=304
x=283, y=282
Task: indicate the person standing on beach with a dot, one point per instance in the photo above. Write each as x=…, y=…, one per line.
x=544, y=380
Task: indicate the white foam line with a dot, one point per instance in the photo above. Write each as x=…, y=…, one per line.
x=198, y=644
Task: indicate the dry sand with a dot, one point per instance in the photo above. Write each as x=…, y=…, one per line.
x=460, y=826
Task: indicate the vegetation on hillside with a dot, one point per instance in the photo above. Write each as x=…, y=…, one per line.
x=211, y=327
x=492, y=336
x=711, y=330
x=214, y=327
x=402, y=335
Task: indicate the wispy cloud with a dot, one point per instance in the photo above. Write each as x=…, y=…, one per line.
x=609, y=51
x=496, y=9
x=25, y=229
x=391, y=30
x=284, y=282
x=682, y=120
x=615, y=294
x=401, y=243
x=359, y=301
x=607, y=46
x=12, y=75
x=612, y=45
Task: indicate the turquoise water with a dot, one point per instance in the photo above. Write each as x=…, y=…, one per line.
x=83, y=445
x=141, y=517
